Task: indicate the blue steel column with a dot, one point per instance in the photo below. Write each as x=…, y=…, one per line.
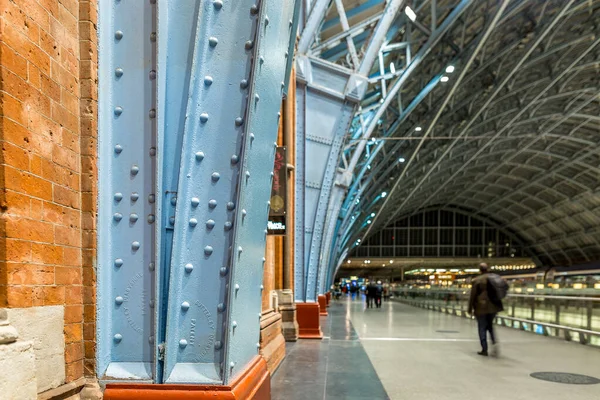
x=207, y=192
x=127, y=149
x=275, y=31
x=176, y=21
x=300, y=182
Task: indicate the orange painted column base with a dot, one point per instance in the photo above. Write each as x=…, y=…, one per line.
x=252, y=384
x=328, y=297
x=323, y=305
x=307, y=315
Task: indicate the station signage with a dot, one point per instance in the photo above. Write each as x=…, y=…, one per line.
x=277, y=215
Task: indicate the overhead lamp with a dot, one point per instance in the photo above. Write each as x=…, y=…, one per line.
x=349, y=261
x=372, y=214
x=450, y=69
x=358, y=240
x=391, y=261
x=401, y=159
x=392, y=68
x=369, y=166
x=445, y=79
x=369, y=222
x=418, y=129
x=373, y=139
x=383, y=194
x=410, y=14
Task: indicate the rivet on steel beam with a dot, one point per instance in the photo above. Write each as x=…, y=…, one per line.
x=235, y=159
x=244, y=213
x=212, y=203
x=119, y=72
x=208, y=250
x=218, y=345
x=262, y=287
x=232, y=364
x=272, y=174
x=133, y=218
x=203, y=118
x=188, y=268
x=248, y=45
x=151, y=198
x=237, y=287
x=118, y=110
x=119, y=35
x=151, y=339
x=234, y=324
x=239, y=121
x=119, y=262
x=135, y=169
x=195, y=202
x=221, y=307
x=215, y=176
x=228, y=225
x=199, y=156
x=135, y=245
x=172, y=220
x=282, y=85
x=291, y=23
x=182, y=343
x=193, y=222
x=210, y=224
x=259, y=315
x=173, y=201
x=261, y=59
x=256, y=97
x=152, y=151
x=231, y=206
x=252, y=137
x=223, y=271
x=152, y=75
x=151, y=266
x=247, y=174
x=151, y=304
x=134, y=196
x=213, y=41
x=152, y=113
x=118, y=337
x=119, y=300
x=118, y=196
x=185, y=306
x=254, y=9
x=208, y=80
x=240, y=250
x=117, y=217
x=264, y=260
x=287, y=54
x=218, y=4
x=243, y=83
x=266, y=20
x=153, y=37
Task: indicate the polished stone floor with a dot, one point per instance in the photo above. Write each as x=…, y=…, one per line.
x=403, y=352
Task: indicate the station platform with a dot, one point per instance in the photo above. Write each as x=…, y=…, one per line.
x=405, y=352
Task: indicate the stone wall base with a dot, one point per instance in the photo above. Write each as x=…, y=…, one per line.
x=272, y=342
x=17, y=371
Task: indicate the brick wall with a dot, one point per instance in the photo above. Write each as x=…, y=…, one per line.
x=47, y=163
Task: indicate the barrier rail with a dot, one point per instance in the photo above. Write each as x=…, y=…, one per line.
x=573, y=318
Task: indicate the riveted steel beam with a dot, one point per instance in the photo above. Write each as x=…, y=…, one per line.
x=127, y=149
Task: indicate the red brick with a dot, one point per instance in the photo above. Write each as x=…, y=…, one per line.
x=34, y=76
x=16, y=250
x=67, y=236
x=68, y=276
x=36, y=209
x=73, y=314
x=74, y=352
x=21, y=90
x=54, y=295
x=28, y=229
x=13, y=109
x=19, y=296
x=29, y=274
x=66, y=197
x=74, y=371
x=47, y=254
x=14, y=156
x=35, y=11
x=72, y=257
x=74, y=294
x=50, y=88
x=12, y=61
x=49, y=44
x=16, y=204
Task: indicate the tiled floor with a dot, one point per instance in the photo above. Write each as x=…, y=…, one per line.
x=402, y=352
x=336, y=367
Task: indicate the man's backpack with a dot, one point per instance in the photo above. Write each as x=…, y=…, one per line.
x=497, y=287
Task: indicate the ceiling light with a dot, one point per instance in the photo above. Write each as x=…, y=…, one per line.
x=358, y=240
x=401, y=159
x=418, y=129
x=410, y=14
x=392, y=68
x=450, y=69
x=369, y=222
x=391, y=261
x=445, y=79
x=383, y=194
x=372, y=214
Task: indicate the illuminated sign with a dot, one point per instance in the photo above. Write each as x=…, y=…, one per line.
x=277, y=217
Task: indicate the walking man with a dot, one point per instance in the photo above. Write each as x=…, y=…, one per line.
x=378, y=294
x=484, y=303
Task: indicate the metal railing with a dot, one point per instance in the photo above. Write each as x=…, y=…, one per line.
x=571, y=317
